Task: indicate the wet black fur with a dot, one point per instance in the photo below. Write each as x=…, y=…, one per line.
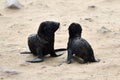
x=78, y=46
x=42, y=43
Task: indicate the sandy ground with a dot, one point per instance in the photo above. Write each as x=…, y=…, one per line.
x=100, y=20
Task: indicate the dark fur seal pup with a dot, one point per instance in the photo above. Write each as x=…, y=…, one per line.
x=79, y=46
x=42, y=43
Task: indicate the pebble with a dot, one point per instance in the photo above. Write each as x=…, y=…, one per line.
x=13, y=4
x=103, y=30
x=89, y=19
x=92, y=7
x=43, y=67
x=1, y=78
x=0, y=14
x=10, y=72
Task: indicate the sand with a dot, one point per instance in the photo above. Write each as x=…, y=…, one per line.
x=100, y=20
